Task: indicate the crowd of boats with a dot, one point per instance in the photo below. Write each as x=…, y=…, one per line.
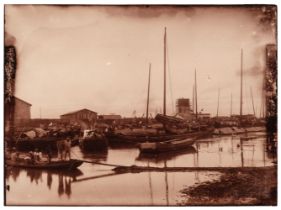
x=164, y=134
x=148, y=139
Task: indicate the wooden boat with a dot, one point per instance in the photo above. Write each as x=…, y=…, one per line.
x=92, y=141
x=61, y=164
x=119, y=139
x=39, y=143
x=165, y=146
x=235, y=130
x=166, y=134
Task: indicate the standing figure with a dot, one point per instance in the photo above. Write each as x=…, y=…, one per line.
x=37, y=155
x=60, y=147
x=49, y=153
x=67, y=148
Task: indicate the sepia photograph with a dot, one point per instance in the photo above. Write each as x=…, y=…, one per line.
x=140, y=105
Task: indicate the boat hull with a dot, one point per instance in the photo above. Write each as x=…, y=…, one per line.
x=119, y=139
x=165, y=146
x=32, y=144
x=93, y=144
x=69, y=164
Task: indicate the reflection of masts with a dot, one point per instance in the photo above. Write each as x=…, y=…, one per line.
x=167, y=186
x=232, y=151
x=150, y=185
x=219, y=146
x=196, y=163
x=148, y=89
x=253, y=154
x=242, y=155
x=253, y=101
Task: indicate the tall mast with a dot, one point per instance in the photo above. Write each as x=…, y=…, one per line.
x=241, y=87
x=262, y=99
x=218, y=103
x=253, y=101
x=195, y=89
x=148, y=90
x=230, y=104
x=164, y=105
x=193, y=103
x=262, y=106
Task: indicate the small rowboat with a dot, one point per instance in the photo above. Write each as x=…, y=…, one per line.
x=165, y=146
x=61, y=164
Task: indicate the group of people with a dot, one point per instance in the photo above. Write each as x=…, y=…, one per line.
x=36, y=156
x=32, y=156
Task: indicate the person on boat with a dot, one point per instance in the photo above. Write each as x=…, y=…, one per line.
x=32, y=158
x=7, y=153
x=49, y=153
x=61, y=149
x=67, y=148
x=14, y=155
x=37, y=155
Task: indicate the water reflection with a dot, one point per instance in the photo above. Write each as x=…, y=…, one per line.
x=64, y=186
x=96, y=156
x=12, y=172
x=38, y=177
x=99, y=185
x=165, y=156
x=34, y=175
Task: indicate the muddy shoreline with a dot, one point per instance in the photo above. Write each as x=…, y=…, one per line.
x=235, y=187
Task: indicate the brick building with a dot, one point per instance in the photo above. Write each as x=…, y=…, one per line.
x=17, y=109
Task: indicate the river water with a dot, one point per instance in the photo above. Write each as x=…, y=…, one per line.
x=97, y=185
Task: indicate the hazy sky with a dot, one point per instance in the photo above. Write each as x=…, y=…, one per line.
x=98, y=57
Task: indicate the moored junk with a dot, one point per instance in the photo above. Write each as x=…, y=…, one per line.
x=61, y=164
x=172, y=126
x=43, y=139
x=169, y=119
x=93, y=140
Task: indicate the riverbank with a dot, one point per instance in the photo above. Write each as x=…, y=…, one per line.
x=236, y=187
